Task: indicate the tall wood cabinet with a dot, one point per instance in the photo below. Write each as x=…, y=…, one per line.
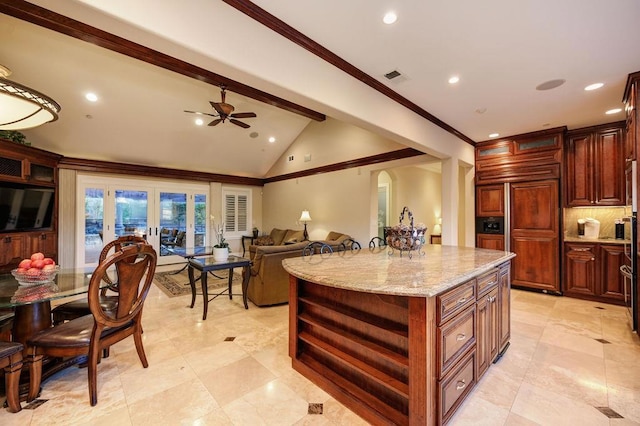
x=595, y=165
x=28, y=167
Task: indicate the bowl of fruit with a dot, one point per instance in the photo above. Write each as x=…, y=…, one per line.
x=36, y=270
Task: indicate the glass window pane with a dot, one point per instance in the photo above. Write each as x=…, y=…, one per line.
x=200, y=220
x=93, y=224
x=131, y=213
x=173, y=221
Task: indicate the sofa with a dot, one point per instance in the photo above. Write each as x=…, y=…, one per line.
x=269, y=282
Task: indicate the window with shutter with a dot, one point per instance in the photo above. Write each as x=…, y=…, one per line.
x=236, y=204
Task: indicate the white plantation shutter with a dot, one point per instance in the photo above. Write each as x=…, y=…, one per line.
x=236, y=204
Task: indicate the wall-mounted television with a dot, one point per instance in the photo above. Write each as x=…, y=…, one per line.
x=25, y=208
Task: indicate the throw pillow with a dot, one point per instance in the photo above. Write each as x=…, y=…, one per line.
x=265, y=240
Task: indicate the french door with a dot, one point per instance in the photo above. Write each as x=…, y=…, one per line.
x=169, y=216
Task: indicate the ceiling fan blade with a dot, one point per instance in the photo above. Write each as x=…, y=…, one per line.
x=201, y=113
x=215, y=122
x=217, y=107
x=243, y=115
x=239, y=123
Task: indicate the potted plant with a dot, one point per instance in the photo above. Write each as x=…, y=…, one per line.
x=221, y=248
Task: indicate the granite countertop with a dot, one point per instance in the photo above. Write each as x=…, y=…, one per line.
x=606, y=240
x=375, y=271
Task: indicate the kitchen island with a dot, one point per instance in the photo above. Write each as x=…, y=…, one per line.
x=399, y=340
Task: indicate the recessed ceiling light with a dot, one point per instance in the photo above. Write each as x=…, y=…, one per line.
x=91, y=97
x=594, y=86
x=199, y=121
x=390, y=18
x=454, y=79
x=272, y=139
x=551, y=84
x=494, y=135
x=613, y=111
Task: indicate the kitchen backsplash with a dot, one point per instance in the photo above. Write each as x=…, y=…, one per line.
x=606, y=216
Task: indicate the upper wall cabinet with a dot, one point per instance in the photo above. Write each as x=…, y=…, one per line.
x=23, y=164
x=594, y=166
x=631, y=109
x=529, y=156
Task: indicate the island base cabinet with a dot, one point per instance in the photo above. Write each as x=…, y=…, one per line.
x=401, y=360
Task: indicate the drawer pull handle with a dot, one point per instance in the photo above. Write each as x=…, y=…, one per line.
x=460, y=337
x=461, y=300
x=461, y=385
x=581, y=249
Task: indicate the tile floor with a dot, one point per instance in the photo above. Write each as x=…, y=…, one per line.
x=556, y=372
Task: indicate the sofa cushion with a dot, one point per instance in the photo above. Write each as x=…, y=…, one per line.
x=292, y=236
x=264, y=240
x=336, y=236
x=278, y=236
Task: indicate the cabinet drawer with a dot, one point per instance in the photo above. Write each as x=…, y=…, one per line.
x=455, y=338
x=486, y=282
x=455, y=387
x=456, y=300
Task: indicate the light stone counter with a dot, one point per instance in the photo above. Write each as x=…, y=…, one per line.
x=375, y=271
x=576, y=239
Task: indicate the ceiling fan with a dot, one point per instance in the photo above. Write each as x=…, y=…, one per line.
x=224, y=111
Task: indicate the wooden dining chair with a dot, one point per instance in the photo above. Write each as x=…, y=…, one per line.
x=77, y=308
x=89, y=335
x=11, y=361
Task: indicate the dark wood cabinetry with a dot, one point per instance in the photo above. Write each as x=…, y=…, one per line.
x=595, y=165
x=490, y=200
x=26, y=167
x=592, y=271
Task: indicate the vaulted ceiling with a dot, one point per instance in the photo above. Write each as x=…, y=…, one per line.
x=500, y=49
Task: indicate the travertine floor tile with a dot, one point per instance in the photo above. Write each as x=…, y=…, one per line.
x=553, y=373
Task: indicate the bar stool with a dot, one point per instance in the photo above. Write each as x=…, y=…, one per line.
x=11, y=361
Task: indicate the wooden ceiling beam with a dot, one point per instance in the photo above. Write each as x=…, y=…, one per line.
x=54, y=21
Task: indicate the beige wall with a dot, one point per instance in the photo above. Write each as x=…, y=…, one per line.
x=330, y=142
x=345, y=201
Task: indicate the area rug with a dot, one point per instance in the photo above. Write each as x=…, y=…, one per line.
x=177, y=284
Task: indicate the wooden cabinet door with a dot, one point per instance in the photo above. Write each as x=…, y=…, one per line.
x=44, y=242
x=609, y=172
x=12, y=249
x=535, y=224
x=580, y=269
x=578, y=171
x=504, y=303
x=611, y=258
x=490, y=241
x=487, y=334
x=490, y=200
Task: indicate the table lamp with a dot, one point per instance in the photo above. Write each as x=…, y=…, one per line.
x=304, y=218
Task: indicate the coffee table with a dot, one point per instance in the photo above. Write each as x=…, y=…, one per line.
x=206, y=264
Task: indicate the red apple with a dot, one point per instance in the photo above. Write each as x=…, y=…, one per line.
x=49, y=261
x=49, y=267
x=37, y=256
x=38, y=264
x=25, y=263
x=33, y=272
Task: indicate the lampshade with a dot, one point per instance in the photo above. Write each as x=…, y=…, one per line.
x=22, y=107
x=305, y=217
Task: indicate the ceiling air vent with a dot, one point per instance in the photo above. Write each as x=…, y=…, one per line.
x=393, y=74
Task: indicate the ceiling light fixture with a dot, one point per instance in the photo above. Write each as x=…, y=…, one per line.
x=593, y=86
x=22, y=107
x=494, y=135
x=613, y=111
x=91, y=97
x=454, y=79
x=199, y=121
x=390, y=18
x=272, y=139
